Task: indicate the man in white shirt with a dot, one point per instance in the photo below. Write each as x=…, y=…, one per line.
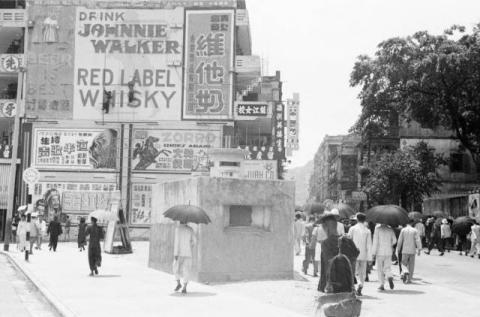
x=382, y=248
x=298, y=232
x=408, y=244
x=182, y=252
x=340, y=226
x=362, y=237
x=421, y=232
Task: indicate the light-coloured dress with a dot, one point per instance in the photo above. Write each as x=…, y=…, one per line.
x=22, y=235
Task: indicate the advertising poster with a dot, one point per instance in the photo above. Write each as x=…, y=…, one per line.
x=73, y=199
x=208, y=63
x=265, y=170
x=172, y=150
x=133, y=54
x=141, y=204
x=75, y=148
x=49, y=83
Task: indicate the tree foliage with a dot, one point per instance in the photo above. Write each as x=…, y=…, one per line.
x=432, y=79
x=404, y=176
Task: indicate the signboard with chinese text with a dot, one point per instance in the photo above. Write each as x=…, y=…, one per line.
x=265, y=169
x=49, y=83
x=278, y=130
x=11, y=63
x=75, y=148
x=13, y=18
x=134, y=54
x=251, y=109
x=172, y=150
x=292, y=124
x=209, y=49
x=8, y=108
x=77, y=199
x=141, y=201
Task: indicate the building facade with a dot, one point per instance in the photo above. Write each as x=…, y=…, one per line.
x=121, y=95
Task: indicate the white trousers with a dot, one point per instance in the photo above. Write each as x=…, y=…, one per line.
x=384, y=264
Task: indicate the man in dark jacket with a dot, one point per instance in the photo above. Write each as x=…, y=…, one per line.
x=54, y=229
x=435, y=238
x=94, y=251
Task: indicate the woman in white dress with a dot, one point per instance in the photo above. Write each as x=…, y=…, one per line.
x=22, y=234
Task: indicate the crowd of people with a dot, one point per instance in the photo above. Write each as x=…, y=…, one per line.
x=364, y=244
x=38, y=229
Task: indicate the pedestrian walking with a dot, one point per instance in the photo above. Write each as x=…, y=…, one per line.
x=339, y=274
x=310, y=245
x=298, y=231
x=82, y=235
x=362, y=237
x=475, y=238
x=408, y=245
x=95, y=234
x=340, y=225
x=382, y=248
x=445, y=234
x=436, y=239
x=421, y=232
x=42, y=225
x=68, y=224
x=15, y=221
x=327, y=235
x=54, y=230
x=462, y=245
x=182, y=251
x=429, y=229
x=34, y=231
x=22, y=230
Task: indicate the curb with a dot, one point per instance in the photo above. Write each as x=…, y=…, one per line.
x=61, y=309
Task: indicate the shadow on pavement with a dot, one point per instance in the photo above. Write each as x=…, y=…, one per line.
x=193, y=294
x=107, y=275
x=298, y=277
x=404, y=292
x=368, y=297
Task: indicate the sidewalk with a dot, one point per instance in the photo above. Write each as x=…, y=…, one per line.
x=127, y=287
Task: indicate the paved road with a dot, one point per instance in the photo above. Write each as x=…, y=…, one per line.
x=18, y=297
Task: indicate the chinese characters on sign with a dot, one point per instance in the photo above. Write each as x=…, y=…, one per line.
x=136, y=56
x=208, y=64
x=75, y=148
x=251, y=109
x=266, y=170
x=278, y=130
x=172, y=150
x=292, y=124
x=141, y=204
x=8, y=108
x=11, y=63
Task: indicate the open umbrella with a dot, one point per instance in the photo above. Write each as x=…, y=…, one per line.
x=439, y=214
x=462, y=225
x=187, y=213
x=103, y=215
x=344, y=210
x=392, y=215
x=315, y=208
x=415, y=215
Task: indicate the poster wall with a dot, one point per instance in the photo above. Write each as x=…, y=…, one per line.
x=49, y=86
x=209, y=49
x=133, y=54
x=73, y=199
x=172, y=150
x=75, y=148
x=141, y=209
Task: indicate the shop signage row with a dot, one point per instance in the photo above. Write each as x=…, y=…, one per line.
x=251, y=109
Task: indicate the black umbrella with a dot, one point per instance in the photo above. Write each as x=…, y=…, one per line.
x=392, y=215
x=462, y=225
x=344, y=210
x=187, y=213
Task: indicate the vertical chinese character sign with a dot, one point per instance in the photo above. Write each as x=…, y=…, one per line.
x=278, y=131
x=208, y=64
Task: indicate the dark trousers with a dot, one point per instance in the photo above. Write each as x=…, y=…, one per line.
x=310, y=258
x=53, y=242
x=436, y=241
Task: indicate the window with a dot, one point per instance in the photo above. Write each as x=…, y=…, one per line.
x=456, y=162
x=237, y=216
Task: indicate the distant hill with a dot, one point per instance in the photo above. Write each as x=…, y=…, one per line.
x=301, y=176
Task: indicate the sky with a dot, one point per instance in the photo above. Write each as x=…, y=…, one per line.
x=314, y=43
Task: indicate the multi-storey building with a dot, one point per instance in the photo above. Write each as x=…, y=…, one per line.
x=119, y=95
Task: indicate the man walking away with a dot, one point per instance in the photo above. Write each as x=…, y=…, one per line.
x=362, y=237
x=310, y=244
x=182, y=252
x=445, y=233
x=475, y=238
x=54, y=230
x=421, y=232
x=408, y=244
x=382, y=248
x=298, y=231
x=68, y=224
x=436, y=239
x=94, y=250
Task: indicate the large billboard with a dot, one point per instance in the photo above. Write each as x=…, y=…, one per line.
x=55, y=148
x=49, y=87
x=134, y=56
x=209, y=59
x=172, y=150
